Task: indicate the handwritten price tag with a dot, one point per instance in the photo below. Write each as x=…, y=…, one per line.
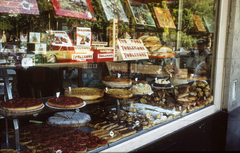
x=111, y=133
x=70, y=90
x=57, y=94
x=137, y=123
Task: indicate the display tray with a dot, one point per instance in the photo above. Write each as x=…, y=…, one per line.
x=159, y=88
x=84, y=104
x=20, y=113
x=143, y=94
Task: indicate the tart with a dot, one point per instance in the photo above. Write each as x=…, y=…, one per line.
x=40, y=148
x=119, y=93
x=85, y=93
x=21, y=104
x=33, y=145
x=80, y=149
x=162, y=83
x=102, y=142
x=65, y=102
x=25, y=141
x=83, y=141
x=92, y=145
x=8, y=151
x=29, y=151
x=141, y=87
x=69, y=119
x=113, y=81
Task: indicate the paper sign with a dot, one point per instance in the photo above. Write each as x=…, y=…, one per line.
x=27, y=62
x=106, y=89
x=82, y=57
x=57, y=94
x=137, y=123
x=136, y=79
x=111, y=133
x=61, y=38
x=83, y=36
x=136, y=42
x=70, y=91
x=77, y=110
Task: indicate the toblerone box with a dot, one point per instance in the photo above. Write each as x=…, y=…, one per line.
x=113, y=36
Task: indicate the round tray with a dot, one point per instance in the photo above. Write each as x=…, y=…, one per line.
x=84, y=104
x=16, y=112
x=159, y=88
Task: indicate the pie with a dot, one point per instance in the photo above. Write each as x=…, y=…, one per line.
x=119, y=93
x=65, y=102
x=8, y=151
x=69, y=119
x=113, y=81
x=85, y=93
x=21, y=104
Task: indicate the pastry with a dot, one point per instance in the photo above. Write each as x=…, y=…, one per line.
x=119, y=93
x=85, y=93
x=152, y=44
x=165, y=49
x=33, y=145
x=8, y=151
x=141, y=88
x=162, y=83
x=172, y=69
x=113, y=81
x=153, y=48
x=151, y=38
x=102, y=142
x=29, y=151
x=143, y=37
x=21, y=104
x=80, y=149
x=65, y=102
x=92, y=145
x=69, y=119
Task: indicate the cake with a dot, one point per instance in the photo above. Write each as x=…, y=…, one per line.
x=69, y=119
x=65, y=102
x=21, y=104
x=113, y=81
x=162, y=83
x=141, y=87
x=85, y=93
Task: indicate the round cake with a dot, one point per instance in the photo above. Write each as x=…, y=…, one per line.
x=119, y=93
x=21, y=104
x=85, y=93
x=65, y=102
x=141, y=87
x=113, y=81
x=69, y=119
x=162, y=83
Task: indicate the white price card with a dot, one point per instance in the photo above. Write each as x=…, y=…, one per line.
x=35, y=115
x=194, y=104
x=188, y=107
x=136, y=79
x=70, y=90
x=111, y=133
x=137, y=123
x=106, y=89
x=119, y=75
x=57, y=94
x=156, y=79
x=59, y=151
x=128, y=41
x=164, y=100
x=180, y=108
x=204, y=98
x=77, y=110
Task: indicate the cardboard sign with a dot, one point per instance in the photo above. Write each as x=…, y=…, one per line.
x=103, y=54
x=61, y=38
x=99, y=43
x=81, y=49
x=82, y=57
x=83, y=36
x=137, y=42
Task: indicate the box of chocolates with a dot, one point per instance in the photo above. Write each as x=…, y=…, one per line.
x=103, y=54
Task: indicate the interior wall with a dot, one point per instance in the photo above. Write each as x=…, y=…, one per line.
x=232, y=61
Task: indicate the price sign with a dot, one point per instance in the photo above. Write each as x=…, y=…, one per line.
x=70, y=90
x=111, y=133
x=77, y=110
x=204, y=98
x=119, y=75
x=57, y=94
x=180, y=108
x=164, y=100
x=188, y=107
x=156, y=79
x=106, y=89
x=137, y=123
x=136, y=79
x=35, y=115
x=194, y=104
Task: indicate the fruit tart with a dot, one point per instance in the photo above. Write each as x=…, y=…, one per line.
x=33, y=145
x=91, y=145
x=65, y=102
x=80, y=149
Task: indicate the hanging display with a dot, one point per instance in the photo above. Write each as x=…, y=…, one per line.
x=141, y=13
x=113, y=10
x=164, y=18
x=198, y=23
x=74, y=8
x=20, y=6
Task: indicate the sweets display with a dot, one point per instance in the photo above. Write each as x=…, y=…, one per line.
x=85, y=93
x=65, y=102
x=21, y=104
x=162, y=83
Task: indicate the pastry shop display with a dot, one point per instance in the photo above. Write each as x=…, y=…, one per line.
x=119, y=93
x=65, y=102
x=141, y=87
x=162, y=83
x=69, y=119
x=85, y=93
x=21, y=104
x=113, y=81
